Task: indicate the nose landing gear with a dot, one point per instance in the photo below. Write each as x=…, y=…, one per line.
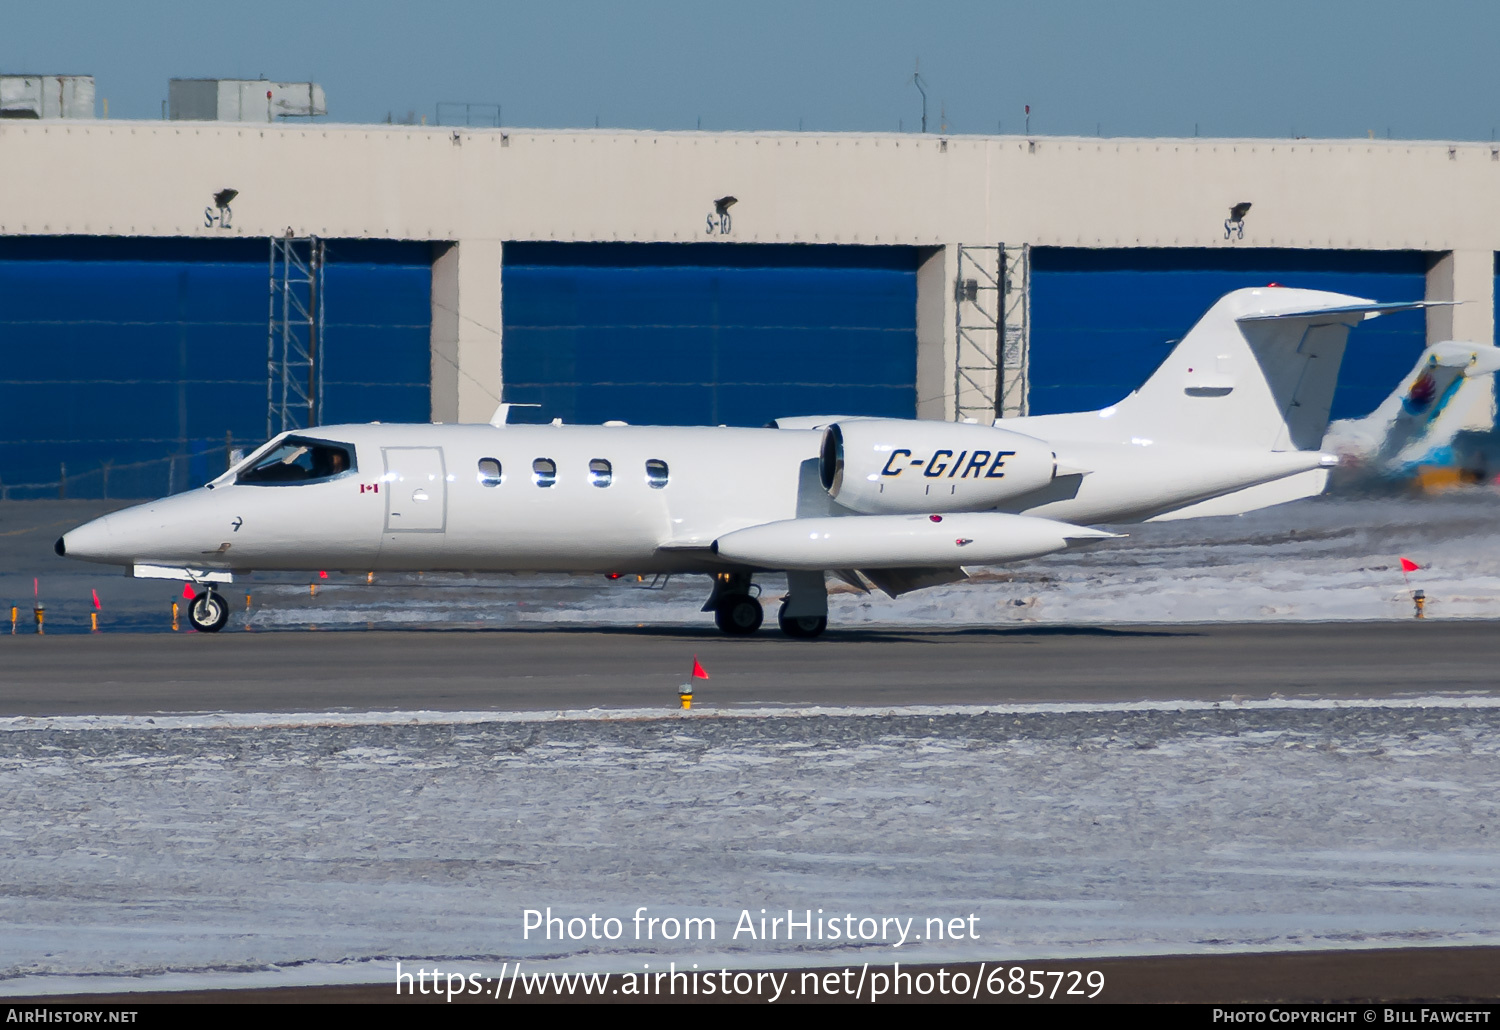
x=208, y=612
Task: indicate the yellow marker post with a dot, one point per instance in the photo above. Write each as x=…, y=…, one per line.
x=312, y=590
x=685, y=692
x=247, y=602
x=369, y=577
x=40, y=613
x=1419, y=602
x=174, y=616
x=15, y=613
x=93, y=622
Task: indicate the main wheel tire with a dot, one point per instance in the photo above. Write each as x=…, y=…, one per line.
x=739, y=615
x=802, y=627
x=208, y=612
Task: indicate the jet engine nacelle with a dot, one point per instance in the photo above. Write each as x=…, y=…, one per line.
x=880, y=466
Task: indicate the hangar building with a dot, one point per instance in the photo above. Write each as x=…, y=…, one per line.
x=149, y=272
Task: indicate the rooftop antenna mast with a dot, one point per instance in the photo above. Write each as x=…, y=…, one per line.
x=920, y=84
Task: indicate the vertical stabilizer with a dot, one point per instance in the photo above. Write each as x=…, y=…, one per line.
x=1256, y=372
x=1423, y=413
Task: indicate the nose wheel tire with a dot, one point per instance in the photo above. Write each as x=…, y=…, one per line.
x=208, y=612
x=801, y=627
x=739, y=615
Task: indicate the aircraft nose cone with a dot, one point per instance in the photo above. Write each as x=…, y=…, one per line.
x=92, y=541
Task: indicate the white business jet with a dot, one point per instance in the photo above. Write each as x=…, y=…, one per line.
x=1233, y=420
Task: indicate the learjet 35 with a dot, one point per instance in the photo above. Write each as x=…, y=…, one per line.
x=1233, y=420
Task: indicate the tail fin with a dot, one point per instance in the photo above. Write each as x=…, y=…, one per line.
x=1257, y=371
x=1411, y=422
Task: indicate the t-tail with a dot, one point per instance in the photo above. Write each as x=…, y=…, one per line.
x=1257, y=371
x=1253, y=381
x=1420, y=418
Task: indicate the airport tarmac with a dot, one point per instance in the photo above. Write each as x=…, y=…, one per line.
x=559, y=668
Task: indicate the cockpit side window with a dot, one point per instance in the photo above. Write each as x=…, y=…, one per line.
x=299, y=460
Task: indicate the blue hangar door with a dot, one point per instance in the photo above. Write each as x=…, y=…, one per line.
x=147, y=356
x=708, y=334
x=1103, y=320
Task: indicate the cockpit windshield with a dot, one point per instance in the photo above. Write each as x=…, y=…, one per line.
x=299, y=460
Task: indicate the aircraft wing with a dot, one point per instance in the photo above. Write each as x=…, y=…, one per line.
x=895, y=582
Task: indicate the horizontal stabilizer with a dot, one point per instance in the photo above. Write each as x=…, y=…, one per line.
x=1369, y=310
x=1476, y=359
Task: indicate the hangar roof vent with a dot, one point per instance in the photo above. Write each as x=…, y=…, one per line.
x=243, y=100
x=46, y=96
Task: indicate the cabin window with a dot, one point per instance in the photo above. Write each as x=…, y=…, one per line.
x=656, y=473
x=299, y=460
x=489, y=472
x=601, y=473
x=544, y=472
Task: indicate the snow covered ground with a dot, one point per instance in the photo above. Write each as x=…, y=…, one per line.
x=202, y=850
x=207, y=850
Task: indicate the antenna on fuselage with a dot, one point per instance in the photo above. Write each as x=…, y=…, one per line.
x=502, y=413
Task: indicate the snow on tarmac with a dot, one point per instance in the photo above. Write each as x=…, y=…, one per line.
x=203, y=850
x=257, y=849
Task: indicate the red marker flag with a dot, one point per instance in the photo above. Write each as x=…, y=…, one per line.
x=1407, y=565
x=187, y=591
x=97, y=605
x=322, y=575
x=699, y=673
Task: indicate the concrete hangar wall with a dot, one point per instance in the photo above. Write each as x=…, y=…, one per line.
x=593, y=273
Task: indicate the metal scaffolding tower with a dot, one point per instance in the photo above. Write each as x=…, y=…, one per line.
x=1015, y=328
x=294, y=346
x=993, y=294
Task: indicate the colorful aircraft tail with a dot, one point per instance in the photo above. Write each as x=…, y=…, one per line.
x=1422, y=415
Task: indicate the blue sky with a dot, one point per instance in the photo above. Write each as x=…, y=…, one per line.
x=1273, y=68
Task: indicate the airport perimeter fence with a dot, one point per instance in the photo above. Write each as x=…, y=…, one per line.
x=138, y=480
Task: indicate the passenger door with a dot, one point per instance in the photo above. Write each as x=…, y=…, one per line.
x=416, y=499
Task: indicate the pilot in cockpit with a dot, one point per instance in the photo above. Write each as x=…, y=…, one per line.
x=328, y=461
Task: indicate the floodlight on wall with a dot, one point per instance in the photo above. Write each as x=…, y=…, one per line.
x=222, y=200
x=719, y=223
x=1234, y=225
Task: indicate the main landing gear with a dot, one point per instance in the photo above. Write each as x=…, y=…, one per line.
x=735, y=603
x=737, y=609
x=208, y=612
x=801, y=627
